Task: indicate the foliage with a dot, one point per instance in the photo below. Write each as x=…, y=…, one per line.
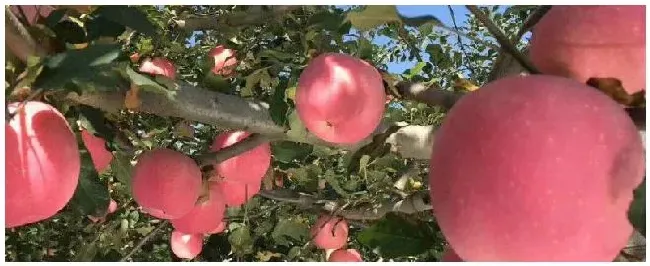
x=273, y=50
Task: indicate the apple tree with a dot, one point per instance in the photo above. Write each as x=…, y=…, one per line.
x=278, y=133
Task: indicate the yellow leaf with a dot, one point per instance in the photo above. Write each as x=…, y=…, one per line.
x=79, y=46
x=615, y=90
x=132, y=100
x=464, y=84
x=183, y=129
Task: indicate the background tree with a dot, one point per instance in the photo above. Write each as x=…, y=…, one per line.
x=84, y=61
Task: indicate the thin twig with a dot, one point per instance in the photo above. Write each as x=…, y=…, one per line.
x=530, y=22
x=504, y=42
x=15, y=22
x=144, y=240
x=460, y=40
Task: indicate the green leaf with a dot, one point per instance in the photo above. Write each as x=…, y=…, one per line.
x=217, y=83
x=372, y=17
x=326, y=20
x=70, y=32
x=290, y=233
x=241, y=240
x=278, y=55
x=146, y=83
x=101, y=26
x=93, y=55
x=333, y=181
x=365, y=49
x=416, y=70
x=93, y=120
x=278, y=106
x=394, y=236
x=297, y=131
x=91, y=196
x=287, y=151
x=421, y=21
x=86, y=252
x=128, y=16
x=637, y=213
x=121, y=168
x=252, y=80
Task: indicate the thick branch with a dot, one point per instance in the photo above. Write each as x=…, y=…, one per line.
x=502, y=39
x=429, y=94
x=414, y=203
x=228, y=111
x=18, y=40
x=256, y=15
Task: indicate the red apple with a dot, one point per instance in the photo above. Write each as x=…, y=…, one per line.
x=582, y=42
x=42, y=163
x=340, y=98
x=235, y=193
x=186, y=246
x=330, y=232
x=96, y=146
x=158, y=66
x=536, y=168
x=225, y=61
x=345, y=255
x=248, y=167
x=166, y=183
x=204, y=217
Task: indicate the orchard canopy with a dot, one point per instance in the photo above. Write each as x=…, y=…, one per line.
x=325, y=133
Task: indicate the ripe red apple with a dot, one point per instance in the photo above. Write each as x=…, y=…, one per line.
x=158, y=66
x=224, y=60
x=546, y=164
x=248, y=167
x=235, y=193
x=186, y=246
x=112, y=207
x=204, y=217
x=340, y=98
x=135, y=57
x=32, y=13
x=581, y=42
x=345, y=255
x=450, y=256
x=166, y=183
x=96, y=146
x=330, y=232
x=42, y=163
x=220, y=228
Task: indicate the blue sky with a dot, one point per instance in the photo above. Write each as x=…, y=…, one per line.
x=439, y=11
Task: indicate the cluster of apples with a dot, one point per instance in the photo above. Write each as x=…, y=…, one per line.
x=330, y=233
x=170, y=185
x=543, y=167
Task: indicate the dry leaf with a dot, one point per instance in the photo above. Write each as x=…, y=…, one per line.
x=465, y=85
x=183, y=129
x=614, y=89
x=132, y=100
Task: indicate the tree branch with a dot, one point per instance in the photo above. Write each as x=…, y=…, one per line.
x=530, y=22
x=502, y=39
x=429, y=94
x=144, y=240
x=18, y=40
x=226, y=153
x=255, y=16
x=229, y=111
x=416, y=202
